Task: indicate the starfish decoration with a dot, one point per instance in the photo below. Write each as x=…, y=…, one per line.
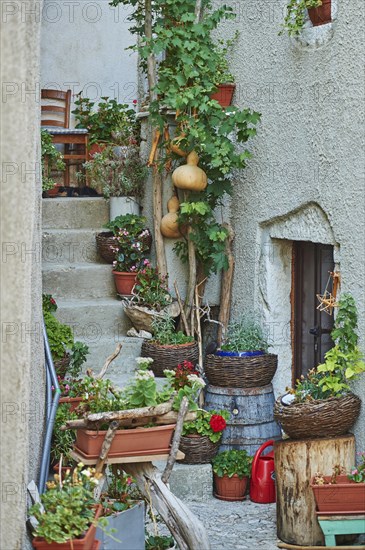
x=326, y=302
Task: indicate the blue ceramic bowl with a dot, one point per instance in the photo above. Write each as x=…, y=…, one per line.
x=222, y=353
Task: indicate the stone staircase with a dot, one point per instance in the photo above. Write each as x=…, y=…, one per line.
x=82, y=283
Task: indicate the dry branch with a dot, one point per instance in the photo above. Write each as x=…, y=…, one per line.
x=131, y=413
x=183, y=316
x=176, y=440
x=109, y=436
x=109, y=360
x=226, y=286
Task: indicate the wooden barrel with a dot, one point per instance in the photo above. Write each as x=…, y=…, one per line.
x=251, y=421
x=296, y=462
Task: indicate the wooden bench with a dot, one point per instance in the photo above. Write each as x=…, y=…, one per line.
x=340, y=525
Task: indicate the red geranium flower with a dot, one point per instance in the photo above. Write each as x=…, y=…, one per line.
x=217, y=423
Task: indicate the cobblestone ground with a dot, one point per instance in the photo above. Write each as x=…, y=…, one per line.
x=237, y=525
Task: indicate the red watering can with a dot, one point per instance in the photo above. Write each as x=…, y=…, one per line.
x=262, y=485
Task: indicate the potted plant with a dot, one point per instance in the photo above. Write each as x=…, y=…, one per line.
x=159, y=542
x=322, y=404
x=341, y=493
x=169, y=347
x=133, y=223
x=141, y=392
x=319, y=12
x=243, y=360
x=51, y=159
x=224, y=79
x=109, y=122
x=124, y=509
x=68, y=513
x=150, y=299
x=231, y=472
x=201, y=437
x=131, y=244
x=120, y=176
x=62, y=440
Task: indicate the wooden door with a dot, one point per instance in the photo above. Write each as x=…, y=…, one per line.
x=311, y=328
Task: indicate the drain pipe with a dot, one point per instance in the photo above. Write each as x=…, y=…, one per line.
x=51, y=409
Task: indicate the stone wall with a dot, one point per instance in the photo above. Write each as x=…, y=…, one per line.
x=307, y=165
x=22, y=378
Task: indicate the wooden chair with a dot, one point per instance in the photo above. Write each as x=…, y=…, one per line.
x=55, y=118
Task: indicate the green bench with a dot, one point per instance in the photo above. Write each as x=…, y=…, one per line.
x=340, y=525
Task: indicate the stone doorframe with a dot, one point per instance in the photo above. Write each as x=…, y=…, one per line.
x=310, y=223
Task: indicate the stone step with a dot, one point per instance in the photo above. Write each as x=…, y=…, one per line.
x=74, y=213
x=79, y=280
x=192, y=482
x=121, y=370
x=70, y=246
x=94, y=319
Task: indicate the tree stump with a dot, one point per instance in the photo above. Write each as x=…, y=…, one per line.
x=296, y=462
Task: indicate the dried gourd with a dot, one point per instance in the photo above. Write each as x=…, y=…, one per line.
x=189, y=176
x=169, y=225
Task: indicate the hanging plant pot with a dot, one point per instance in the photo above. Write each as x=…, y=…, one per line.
x=230, y=488
x=87, y=542
x=224, y=94
x=130, y=442
x=344, y=496
x=124, y=282
x=321, y=15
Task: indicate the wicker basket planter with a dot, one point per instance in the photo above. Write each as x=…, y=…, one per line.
x=322, y=418
x=241, y=372
x=105, y=243
x=169, y=357
x=198, y=449
x=142, y=317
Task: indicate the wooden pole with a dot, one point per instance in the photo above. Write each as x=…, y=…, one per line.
x=176, y=440
x=105, y=448
x=183, y=316
x=226, y=287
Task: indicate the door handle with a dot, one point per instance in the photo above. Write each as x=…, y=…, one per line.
x=316, y=331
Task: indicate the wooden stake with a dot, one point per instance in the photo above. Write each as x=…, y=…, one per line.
x=189, y=301
x=226, y=287
x=198, y=327
x=176, y=440
x=109, y=360
x=105, y=448
x=183, y=316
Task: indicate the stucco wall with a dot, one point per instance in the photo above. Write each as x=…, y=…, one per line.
x=83, y=47
x=22, y=382
x=309, y=149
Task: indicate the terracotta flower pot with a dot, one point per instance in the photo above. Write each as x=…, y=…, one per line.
x=87, y=542
x=96, y=148
x=230, y=488
x=343, y=496
x=73, y=402
x=131, y=442
x=320, y=15
x=124, y=282
x=224, y=94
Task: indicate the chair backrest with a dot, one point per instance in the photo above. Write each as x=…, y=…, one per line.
x=55, y=108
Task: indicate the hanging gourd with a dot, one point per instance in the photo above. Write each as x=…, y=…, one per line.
x=169, y=225
x=189, y=176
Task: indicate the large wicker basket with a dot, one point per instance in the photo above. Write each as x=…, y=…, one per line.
x=198, y=449
x=322, y=418
x=169, y=357
x=61, y=365
x=240, y=372
x=105, y=243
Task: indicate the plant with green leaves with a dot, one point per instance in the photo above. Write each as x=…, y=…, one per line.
x=63, y=440
x=151, y=289
x=60, y=337
x=295, y=15
x=108, y=122
x=165, y=334
x=133, y=223
x=159, y=542
x=79, y=353
x=358, y=472
x=117, y=175
x=121, y=492
x=207, y=423
x=67, y=510
x=229, y=463
x=51, y=159
x=245, y=334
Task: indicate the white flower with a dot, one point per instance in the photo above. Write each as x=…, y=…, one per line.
x=196, y=380
x=169, y=371
x=85, y=473
x=144, y=360
x=144, y=375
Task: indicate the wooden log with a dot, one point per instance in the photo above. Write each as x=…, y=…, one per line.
x=176, y=440
x=188, y=531
x=296, y=462
x=131, y=413
x=226, y=287
x=162, y=420
x=109, y=436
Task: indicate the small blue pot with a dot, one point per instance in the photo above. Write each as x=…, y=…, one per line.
x=222, y=353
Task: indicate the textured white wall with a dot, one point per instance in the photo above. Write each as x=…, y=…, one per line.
x=22, y=373
x=83, y=47
x=309, y=149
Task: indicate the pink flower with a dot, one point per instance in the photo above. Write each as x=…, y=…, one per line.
x=134, y=102
x=354, y=472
